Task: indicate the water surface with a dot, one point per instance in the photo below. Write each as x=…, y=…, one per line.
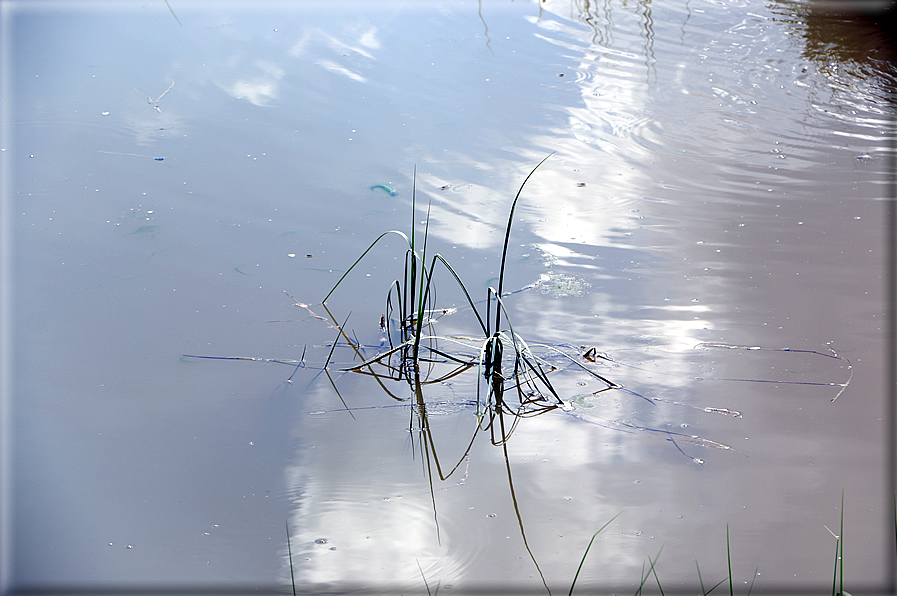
x=719, y=176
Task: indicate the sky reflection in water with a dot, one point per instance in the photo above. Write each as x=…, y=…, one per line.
x=717, y=177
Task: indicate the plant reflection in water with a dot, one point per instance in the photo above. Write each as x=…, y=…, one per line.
x=513, y=377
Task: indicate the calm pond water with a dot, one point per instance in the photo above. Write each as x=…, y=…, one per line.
x=179, y=177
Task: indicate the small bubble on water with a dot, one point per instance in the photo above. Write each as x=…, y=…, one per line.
x=332, y=548
x=698, y=460
x=568, y=498
x=130, y=546
x=638, y=482
x=321, y=541
x=490, y=515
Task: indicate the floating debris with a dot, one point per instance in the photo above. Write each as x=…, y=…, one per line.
x=561, y=284
x=392, y=192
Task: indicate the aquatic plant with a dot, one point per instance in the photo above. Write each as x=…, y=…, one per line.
x=513, y=378
x=513, y=374
x=588, y=547
x=290, y=558
x=838, y=575
x=651, y=570
x=411, y=312
x=414, y=354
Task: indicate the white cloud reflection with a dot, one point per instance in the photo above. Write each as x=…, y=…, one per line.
x=362, y=38
x=341, y=70
x=261, y=89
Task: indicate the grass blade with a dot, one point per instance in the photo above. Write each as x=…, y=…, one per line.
x=840, y=561
x=753, y=579
x=425, y=580
x=654, y=570
x=595, y=535
x=504, y=250
x=358, y=260
x=705, y=591
x=290, y=553
x=729, y=560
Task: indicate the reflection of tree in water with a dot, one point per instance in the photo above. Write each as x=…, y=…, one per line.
x=856, y=37
x=599, y=16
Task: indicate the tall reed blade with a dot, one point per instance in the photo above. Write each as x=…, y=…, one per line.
x=595, y=535
x=504, y=250
x=290, y=554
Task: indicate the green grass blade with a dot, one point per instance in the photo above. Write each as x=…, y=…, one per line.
x=290, y=553
x=462, y=286
x=536, y=368
x=427, y=585
x=841, y=548
x=835, y=573
x=753, y=579
x=643, y=580
x=729, y=560
x=504, y=250
x=705, y=591
x=413, y=203
x=426, y=279
x=595, y=535
x=358, y=260
x=654, y=570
